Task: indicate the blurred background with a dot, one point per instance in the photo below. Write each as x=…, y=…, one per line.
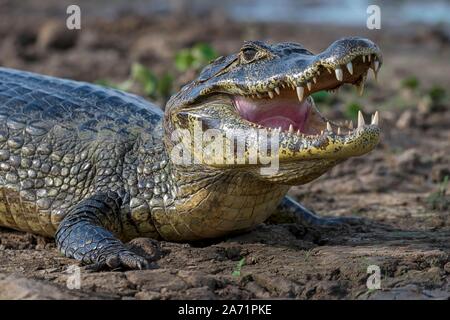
x=153, y=47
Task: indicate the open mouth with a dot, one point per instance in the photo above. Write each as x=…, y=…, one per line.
x=287, y=105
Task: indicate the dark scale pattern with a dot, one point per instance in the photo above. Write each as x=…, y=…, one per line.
x=63, y=143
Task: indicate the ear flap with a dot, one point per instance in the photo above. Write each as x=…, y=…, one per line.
x=218, y=65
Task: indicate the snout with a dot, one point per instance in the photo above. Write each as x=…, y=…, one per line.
x=344, y=50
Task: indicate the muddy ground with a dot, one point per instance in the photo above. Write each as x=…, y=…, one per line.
x=405, y=223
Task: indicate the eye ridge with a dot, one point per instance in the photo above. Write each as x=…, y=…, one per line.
x=249, y=54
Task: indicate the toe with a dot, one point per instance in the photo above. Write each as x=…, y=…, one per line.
x=130, y=260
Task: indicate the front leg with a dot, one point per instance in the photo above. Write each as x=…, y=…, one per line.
x=306, y=216
x=85, y=234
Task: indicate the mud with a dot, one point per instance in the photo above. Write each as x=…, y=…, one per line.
x=391, y=190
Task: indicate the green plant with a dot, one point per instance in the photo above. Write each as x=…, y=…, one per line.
x=411, y=83
x=437, y=93
x=161, y=87
x=144, y=77
x=321, y=96
x=237, y=270
x=351, y=110
x=438, y=200
x=195, y=57
x=153, y=86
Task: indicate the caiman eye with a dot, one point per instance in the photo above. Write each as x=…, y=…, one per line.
x=249, y=54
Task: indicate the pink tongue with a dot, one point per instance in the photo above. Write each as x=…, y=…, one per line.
x=280, y=112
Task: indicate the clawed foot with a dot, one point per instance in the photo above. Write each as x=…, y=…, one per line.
x=121, y=260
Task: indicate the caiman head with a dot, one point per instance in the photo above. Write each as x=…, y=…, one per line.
x=266, y=88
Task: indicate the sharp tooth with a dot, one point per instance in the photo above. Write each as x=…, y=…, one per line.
x=300, y=92
x=329, y=71
x=364, y=58
x=291, y=129
x=314, y=79
x=321, y=132
x=298, y=132
x=309, y=85
x=339, y=75
x=375, y=75
x=376, y=64
x=318, y=72
x=329, y=127
x=361, y=121
x=277, y=90
x=283, y=85
x=350, y=67
x=279, y=129
x=360, y=87
x=375, y=118
x=369, y=57
x=270, y=94
x=339, y=130
x=350, y=125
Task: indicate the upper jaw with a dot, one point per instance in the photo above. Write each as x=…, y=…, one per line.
x=321, y=74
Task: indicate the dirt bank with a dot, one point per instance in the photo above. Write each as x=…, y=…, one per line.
x=405, y=228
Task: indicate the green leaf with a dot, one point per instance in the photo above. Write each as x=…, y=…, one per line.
x=351, y=110
x=194, y=58
x=145, y=78
x=165, y=85
x=437, y=93
x=410, y=83
x=237, y=271
x=183, y=60
x=241, y=263
x=204, y=52
x=320, y=96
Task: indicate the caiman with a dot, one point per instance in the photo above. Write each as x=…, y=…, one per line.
x=95, y=167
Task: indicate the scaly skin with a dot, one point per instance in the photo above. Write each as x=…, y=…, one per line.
x=93, y=167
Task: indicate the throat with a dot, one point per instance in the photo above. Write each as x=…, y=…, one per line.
x=217, y=205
